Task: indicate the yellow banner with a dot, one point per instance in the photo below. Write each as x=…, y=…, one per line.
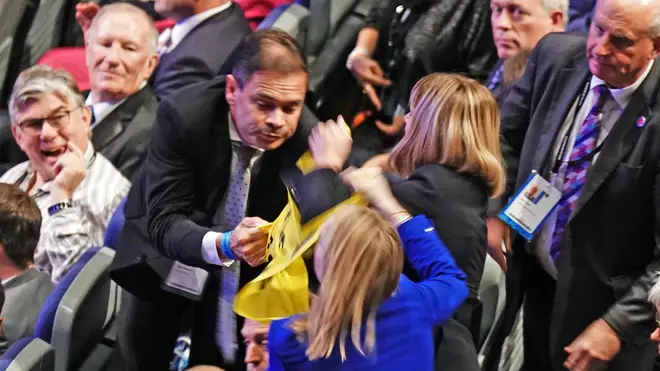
x=281, y=290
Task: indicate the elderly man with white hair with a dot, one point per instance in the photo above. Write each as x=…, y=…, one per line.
x=582, y=124
x=74, y=186
x=121, y=54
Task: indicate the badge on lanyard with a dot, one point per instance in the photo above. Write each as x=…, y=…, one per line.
x=531, y=206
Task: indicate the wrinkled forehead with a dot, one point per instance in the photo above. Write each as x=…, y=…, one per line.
x=40, y=106
x=626, y=17
x=252, y=329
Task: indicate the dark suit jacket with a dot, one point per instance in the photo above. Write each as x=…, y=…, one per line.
x=203, y=54
x=123, y=136
x=610, y=250
x=178, y=189
x=24, y=296
x=10, y=153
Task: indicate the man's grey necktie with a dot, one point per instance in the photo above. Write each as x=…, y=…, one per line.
x=232, y=215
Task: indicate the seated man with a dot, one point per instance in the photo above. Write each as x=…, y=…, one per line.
x=121, y=56
x=25, y=289
x=76, y=188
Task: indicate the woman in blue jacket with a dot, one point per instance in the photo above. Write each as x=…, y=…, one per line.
x=367, y=315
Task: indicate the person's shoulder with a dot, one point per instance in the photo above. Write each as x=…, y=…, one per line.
x=562, y=46
x=448, y=178
x=198, y=98
x=15, y=173
x=106, y=179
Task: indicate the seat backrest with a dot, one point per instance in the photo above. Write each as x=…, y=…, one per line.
x=71, y=59
x=47, y=30
x=326, y=16
x=28, y=354
x=491, y=294
x=290, y=18
x=17, y=18
x=74, y=315
x=115, y=226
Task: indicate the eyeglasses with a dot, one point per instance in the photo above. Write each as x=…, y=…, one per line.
x=58, y=121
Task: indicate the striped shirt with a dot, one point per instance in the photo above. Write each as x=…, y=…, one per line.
x=66, y=235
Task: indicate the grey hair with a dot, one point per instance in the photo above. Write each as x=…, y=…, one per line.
x=562, y=5
x=124, y=8
x=654, y=293
x=38, y=81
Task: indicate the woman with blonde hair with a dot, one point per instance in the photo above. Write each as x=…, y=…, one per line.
x=446, y=166
x=367, y=315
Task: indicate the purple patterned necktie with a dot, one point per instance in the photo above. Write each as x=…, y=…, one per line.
x=576, y=173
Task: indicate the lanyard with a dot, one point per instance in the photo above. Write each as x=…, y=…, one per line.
x=563, y=147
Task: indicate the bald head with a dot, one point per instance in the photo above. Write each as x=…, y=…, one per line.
x=132, y=12
x=623, y=39
x=121, y=54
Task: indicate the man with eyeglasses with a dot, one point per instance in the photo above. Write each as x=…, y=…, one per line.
x=76, y=189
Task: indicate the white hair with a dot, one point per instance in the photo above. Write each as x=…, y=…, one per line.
x=41, y=80
x=561, y=5
x=124, y=8
x=654, y=293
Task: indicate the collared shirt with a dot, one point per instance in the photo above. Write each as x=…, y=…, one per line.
x=612, y=109
x=183, y=27
x=209, y=247
x=103, y=109
x=67, y=234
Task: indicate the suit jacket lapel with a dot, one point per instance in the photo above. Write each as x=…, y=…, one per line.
x=622, y=138
x=116, y=122
x=568, y=86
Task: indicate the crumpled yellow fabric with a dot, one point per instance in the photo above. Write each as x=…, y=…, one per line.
x=281, y=290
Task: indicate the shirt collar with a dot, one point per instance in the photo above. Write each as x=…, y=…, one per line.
x=233, y=134
x=90, y=153
x=622, y=96
x=184, y=26
x=103, y=109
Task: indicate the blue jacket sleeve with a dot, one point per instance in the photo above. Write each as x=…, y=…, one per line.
x=442, y=288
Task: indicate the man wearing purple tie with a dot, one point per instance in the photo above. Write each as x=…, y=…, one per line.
x=584, y=278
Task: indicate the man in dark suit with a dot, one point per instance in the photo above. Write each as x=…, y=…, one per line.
x=25, y=289
x=588, y=124
x=211, y=142
x=121, y=56
x=197, y=48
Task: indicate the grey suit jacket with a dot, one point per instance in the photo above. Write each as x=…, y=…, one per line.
x=123, y=136
x=24, y=296
x=612, y=241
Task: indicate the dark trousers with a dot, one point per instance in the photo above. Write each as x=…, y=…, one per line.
x=537, y=314
x=147, y=332
x=456, y=349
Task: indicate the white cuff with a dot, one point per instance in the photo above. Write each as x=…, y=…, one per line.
x=210, y=250
x=357, y=51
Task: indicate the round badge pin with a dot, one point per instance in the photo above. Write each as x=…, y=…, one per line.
x=641, y=121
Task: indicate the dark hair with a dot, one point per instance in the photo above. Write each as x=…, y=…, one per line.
x=267, y=50
x=20, y=225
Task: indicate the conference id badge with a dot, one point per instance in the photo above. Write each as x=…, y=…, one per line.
x=186, y=281
x=531, y=206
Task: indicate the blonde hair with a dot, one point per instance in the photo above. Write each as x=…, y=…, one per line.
x=454, y=121
x=362, y=264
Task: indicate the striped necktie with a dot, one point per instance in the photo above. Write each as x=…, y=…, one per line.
x=496, y=80
x=576, y=171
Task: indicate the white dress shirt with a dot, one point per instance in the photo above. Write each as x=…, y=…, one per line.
x=209, y=247
x=101, y=110
x=612, y=109
x=68, y=233
x=184, y=26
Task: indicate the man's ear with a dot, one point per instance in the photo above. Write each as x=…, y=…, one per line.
x=558, y=21
x=18, y=135
x=656, y=47
x=231, y=89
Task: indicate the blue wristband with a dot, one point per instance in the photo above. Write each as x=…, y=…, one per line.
x=226, y=248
